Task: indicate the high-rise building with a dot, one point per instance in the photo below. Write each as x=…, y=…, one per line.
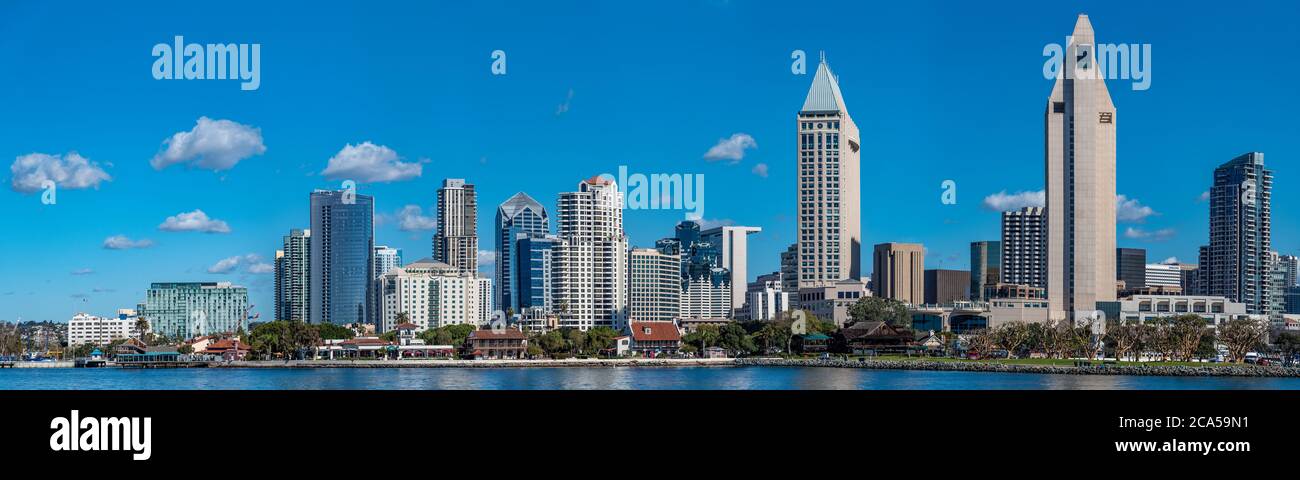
x=654, y=285
x=1131, y=267
x=1080, y=177
x=732, y=243
x=342, y=257
x=830, y=235
x=1162, y=275
x=1024, y=247
x=292, y=276
x=481, y=297
x=702, y=273
x=1291, y=270
x=790, y=274
x=386, y=258
x=985, y=267
x=1188, y=277
x=1237, y=263
x=767, y=298
x=707, y=295
x=519, y=214
x=590, y=262
x=943, y=287
x=456, y=241
x=191, y=309
x=533, y=272
x=424, y=292
x=898, y=272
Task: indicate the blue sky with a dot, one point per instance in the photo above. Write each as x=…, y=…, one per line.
x=940, y=90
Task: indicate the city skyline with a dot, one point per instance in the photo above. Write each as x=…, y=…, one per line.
x=234, y=214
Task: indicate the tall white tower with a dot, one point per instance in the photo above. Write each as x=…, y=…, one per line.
x=1080, y=177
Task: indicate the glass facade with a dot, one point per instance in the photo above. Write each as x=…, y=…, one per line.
x=342, y=257
x=532, y=271
x=187, y=310
x=518, y=215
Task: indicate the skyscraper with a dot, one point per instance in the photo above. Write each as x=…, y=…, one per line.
x=456, y=240
x=293, y=276
x=732, y=242
x=1237, y=263
x=943, y=287
x=1080, y=177
x=386, y=258
x=190, y=309
x=1024, y=247
x=519, y=214
x=1291, y=268
x=830, y=236
x=985, y=267
x=898, y=272
x=707, y=287
x=590, y=262
x=342, y=257
x=533, y=272
x=654, y=285
x=1131, y=267
x=790, y=275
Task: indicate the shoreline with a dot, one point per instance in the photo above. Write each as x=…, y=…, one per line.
x=975, y=366
x=920, y=364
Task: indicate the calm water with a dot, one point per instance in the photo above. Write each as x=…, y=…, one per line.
x=642, y=378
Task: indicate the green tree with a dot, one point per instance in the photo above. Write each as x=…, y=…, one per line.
x=1241, y=336
x=878, y=309
x=330, y=331
x=600, y=338
x=704, y=337
x=735, y=340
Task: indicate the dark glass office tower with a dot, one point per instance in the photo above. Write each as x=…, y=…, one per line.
x=342, y=257
x=519, y=214
x=1131, y=267
x=1237, y=263
x=985, y=267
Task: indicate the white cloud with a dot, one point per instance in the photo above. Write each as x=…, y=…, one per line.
x=1003, y=202
x=368, y=162
x=707, y=223
x=82, y=271
x=732, y=149
x=1170, y=261
x=487, y=257
x=252, y=263
x=71, y=171
x=1131, y=210
x=563, y=108
x=121, y=242
x=760, y=170
x=1204, y=197
x=225, y=265
x=411, y=218
x=195, y=221
x=1149, y=236
x=211, y=145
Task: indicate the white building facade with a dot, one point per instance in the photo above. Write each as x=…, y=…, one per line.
x=589, y=265
x=84, y=328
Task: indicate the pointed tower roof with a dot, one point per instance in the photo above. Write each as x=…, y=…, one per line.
x=518, y=203
x=1083, y=30
x=824, y=95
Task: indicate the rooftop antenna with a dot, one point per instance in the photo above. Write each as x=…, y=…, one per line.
x=823, y=54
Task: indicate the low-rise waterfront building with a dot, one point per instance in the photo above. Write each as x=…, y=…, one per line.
x=653, y=339
x=497, y=344
x=831, y=302
x=84, y=328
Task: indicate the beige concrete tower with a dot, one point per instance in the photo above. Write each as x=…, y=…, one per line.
x=1080, y=177
x=830, y=235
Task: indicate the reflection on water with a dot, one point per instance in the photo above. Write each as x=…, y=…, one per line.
x=620, y=378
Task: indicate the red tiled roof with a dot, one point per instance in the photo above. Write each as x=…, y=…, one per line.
x=407, y=326
x=224, y=345
x=598, y=180
x=655, y=331
x=507, y=334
